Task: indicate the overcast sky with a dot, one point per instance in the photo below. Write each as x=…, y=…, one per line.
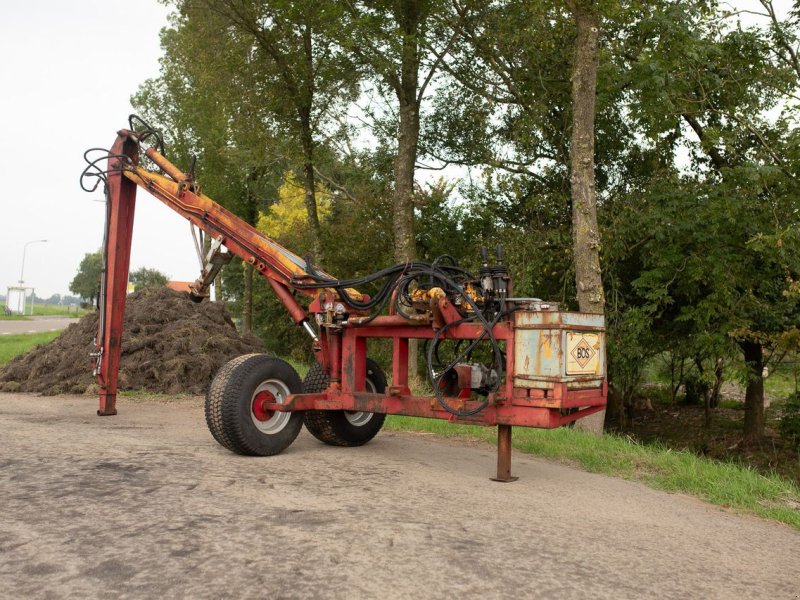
x=68, y=69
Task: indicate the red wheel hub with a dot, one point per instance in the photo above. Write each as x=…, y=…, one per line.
x=259, y=411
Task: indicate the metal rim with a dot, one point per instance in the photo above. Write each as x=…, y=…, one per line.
x=268, y=421
x=359, y=418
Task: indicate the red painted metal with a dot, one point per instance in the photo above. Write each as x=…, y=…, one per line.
x=121, y=204
x=500, y=413
x=261, y=406
x=285, y=296
x=504, y=455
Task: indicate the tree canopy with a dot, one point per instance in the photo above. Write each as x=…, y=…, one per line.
x=437, y=126
x=86, y=282
x=143, y=278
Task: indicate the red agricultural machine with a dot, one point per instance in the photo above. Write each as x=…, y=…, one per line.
x=492, y=358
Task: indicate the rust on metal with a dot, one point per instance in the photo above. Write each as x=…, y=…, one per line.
x=504, y=455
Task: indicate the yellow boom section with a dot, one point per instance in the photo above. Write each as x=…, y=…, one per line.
x=182, y=195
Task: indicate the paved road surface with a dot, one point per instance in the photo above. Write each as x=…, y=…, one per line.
x=146, y=505
x=35, y=325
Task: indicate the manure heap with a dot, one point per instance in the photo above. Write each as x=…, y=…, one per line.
x=169, y=345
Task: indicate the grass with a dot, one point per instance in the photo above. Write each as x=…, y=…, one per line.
x=48, y=310
x=55, y=310
x=14, y=345
x=724, y=484
x=781, y=380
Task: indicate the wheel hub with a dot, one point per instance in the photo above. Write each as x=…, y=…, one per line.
x=259, y=411
x=266, y=419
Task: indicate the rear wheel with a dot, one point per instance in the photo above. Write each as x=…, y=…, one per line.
x=342, y=427
x=235, y=411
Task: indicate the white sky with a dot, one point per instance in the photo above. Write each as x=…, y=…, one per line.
x=68, y=69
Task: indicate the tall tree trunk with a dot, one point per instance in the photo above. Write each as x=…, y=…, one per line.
x=754, y=393
x=585, y=234
x=408, y=17
x=247, y=308
x=403, y=201
x=310, y=188
x=250, y=214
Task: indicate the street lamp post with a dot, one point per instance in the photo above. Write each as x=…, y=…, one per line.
x=24, y=250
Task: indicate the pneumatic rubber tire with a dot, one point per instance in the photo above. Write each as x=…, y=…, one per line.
x=339, y=427
x=230, y=405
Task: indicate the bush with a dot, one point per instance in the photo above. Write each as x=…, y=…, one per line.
x=790, y=422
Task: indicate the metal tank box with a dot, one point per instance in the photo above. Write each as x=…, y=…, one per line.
x=555, y=347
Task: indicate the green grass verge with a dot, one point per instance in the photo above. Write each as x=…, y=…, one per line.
x=719, y=483
x=54, y=310
x=48, y=310
x=14, y=345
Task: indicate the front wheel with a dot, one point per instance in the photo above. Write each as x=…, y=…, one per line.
x=235, y=411
x=342, y=427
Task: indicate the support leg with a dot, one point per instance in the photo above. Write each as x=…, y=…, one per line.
x=504, y=455
x=121, y=204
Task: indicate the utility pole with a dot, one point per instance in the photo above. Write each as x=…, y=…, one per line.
x=22, y=275
x=24, y=250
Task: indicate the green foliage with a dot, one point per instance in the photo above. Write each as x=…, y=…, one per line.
x=147, y=278
x=696, y=150
x=86, y=282
x=790, y=420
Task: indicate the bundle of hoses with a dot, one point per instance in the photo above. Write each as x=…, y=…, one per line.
x=400, y=277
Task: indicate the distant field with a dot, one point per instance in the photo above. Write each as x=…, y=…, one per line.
x=14, y=345
x=46, y=310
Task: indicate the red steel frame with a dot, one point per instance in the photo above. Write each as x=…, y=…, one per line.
x=342, y=350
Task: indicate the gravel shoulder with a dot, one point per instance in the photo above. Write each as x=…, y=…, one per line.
x=146, y=504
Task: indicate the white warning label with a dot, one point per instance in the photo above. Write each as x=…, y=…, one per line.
x=583, y=353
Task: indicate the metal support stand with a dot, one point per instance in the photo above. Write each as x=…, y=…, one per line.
x=504, y=455
x=121, y=201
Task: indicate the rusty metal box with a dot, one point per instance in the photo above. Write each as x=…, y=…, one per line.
x=553, y=346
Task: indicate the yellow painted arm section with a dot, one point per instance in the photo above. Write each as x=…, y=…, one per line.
x=242, y=239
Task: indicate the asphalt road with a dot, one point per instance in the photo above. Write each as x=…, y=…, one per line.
x=147, y=505
x=35, y=325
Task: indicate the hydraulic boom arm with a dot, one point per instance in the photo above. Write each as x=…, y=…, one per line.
x=178, y=191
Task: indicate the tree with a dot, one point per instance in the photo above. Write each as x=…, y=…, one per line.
x=712, y=245
x=517, y=89
x=295, y=62
x=147, y=278
x=402, y=45
x=586, y=236
x=585, y=232
x=86, y=282
x=272, y=80
x=227, y=127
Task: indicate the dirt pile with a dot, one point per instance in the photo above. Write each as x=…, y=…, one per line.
x=169, y=345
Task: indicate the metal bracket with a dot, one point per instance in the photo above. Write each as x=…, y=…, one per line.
x=98, y=363
x=216, y=258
